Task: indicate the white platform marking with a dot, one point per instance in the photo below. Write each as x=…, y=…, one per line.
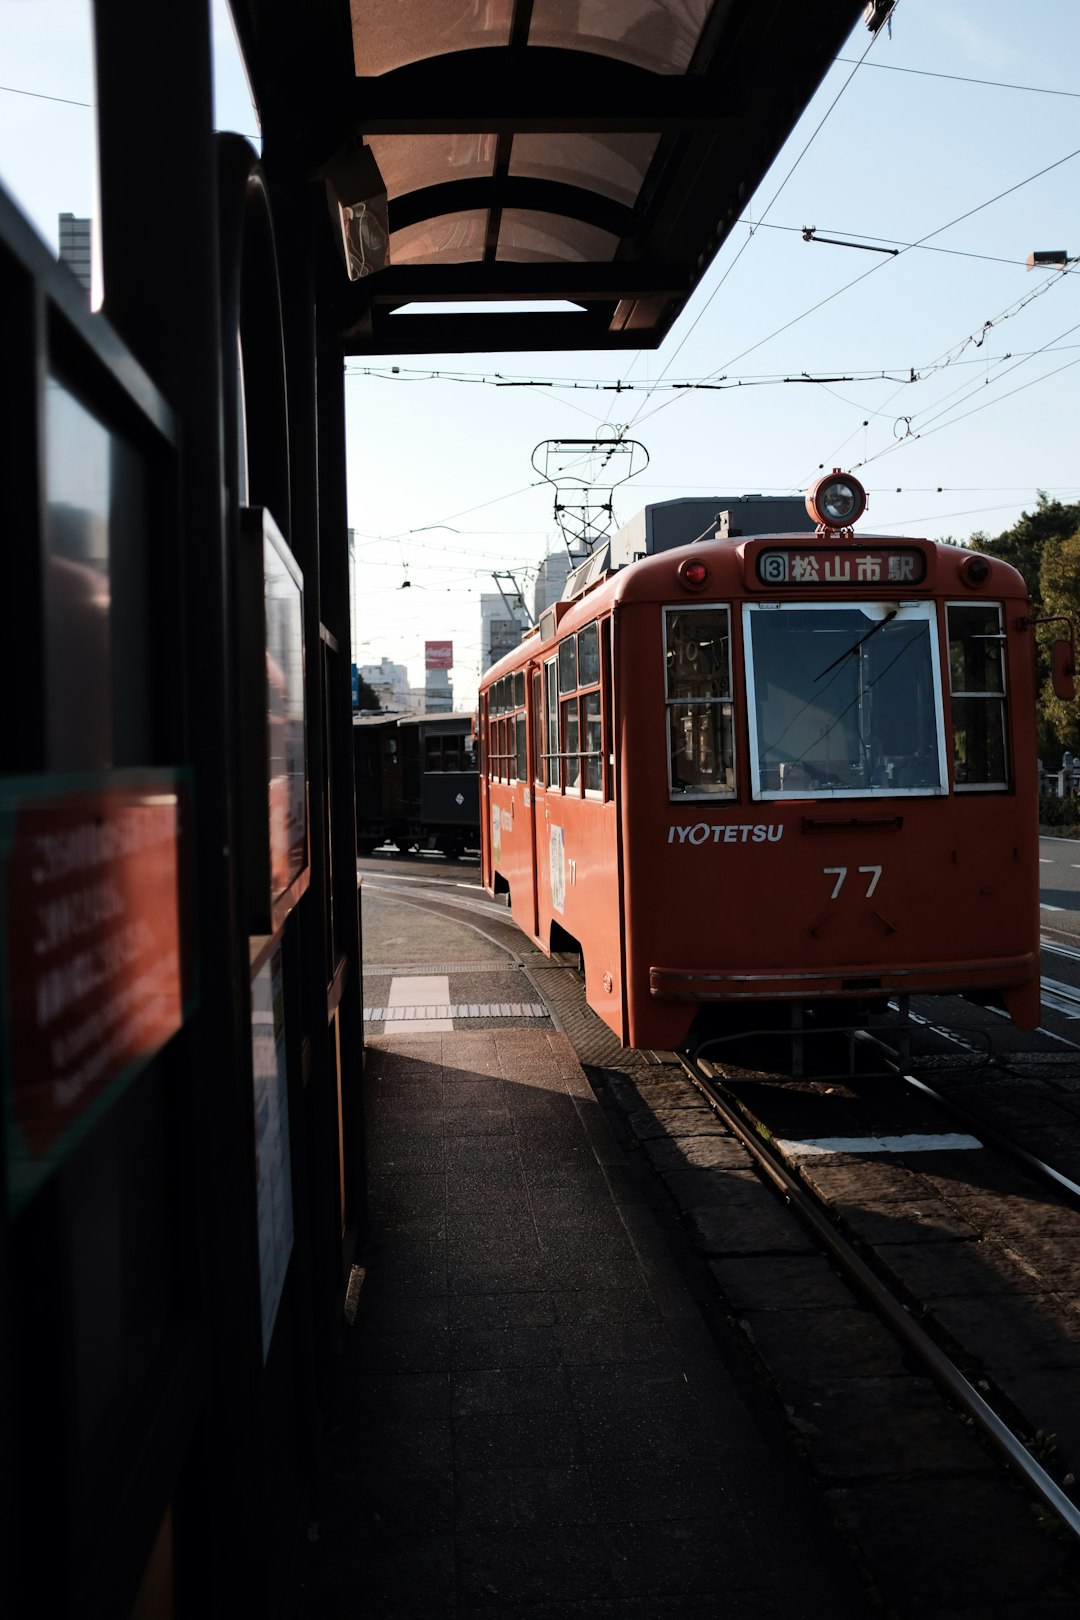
x=947, y=1143
x=418, y=1002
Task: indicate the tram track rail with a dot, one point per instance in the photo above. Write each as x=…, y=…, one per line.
x=815, y=1215
x=978, y=1125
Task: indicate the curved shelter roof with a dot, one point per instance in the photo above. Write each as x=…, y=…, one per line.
x=584, y=153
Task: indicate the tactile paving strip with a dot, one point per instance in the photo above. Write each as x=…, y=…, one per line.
x=592, y=1040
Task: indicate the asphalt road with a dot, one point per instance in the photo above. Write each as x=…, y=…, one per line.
x=1059, y=887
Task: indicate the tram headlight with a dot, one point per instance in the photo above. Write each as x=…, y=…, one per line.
x=837, y=501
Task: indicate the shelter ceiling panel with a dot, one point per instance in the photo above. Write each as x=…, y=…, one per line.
x=515, y=146
x=445, y=239
x=389, y=34
x=413, y=162
x=661, y=35
x=611, y=164
x=527, y=234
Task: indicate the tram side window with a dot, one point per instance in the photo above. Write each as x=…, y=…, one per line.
x=448, y=754
x=578, y=722
x=551, y=724
x=977, y=683
x=536, y=719
x=521, y=760
x=591, y=729
x=507, y=758
x=701, y=749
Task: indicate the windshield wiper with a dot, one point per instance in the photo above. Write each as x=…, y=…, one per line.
x=873, y=630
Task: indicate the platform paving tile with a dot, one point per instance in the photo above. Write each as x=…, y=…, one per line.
x=475, y=1349
x=500, y=1251
x=936, y=1270
x=397, y=1577
x=595, y=1343
x=503, y=1183
x=529, y=1439
x=888, y=1221
x=781, y=1283
x=692, y=1606
x=510, y=1389
x=809, y=1344
x=524, y=1498
x=976, y=1557
x=636, y=1491
x=479, y=1313
x=867, y=1428
x=472, y=1276
x=604, y=1307
x=535, y=1421
x=1050, y=1402
x=1045, y=1334
x=698, y=1153
x=682, y=1555
x=763, y=1225
x=417, y=1397
x=667, y=1120
x=567, y=1563
x=413, y=1337
x=700, y=1189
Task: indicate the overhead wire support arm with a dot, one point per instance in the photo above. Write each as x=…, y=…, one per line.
x=809, y=234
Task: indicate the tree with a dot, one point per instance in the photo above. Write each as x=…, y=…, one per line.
x=1024, y=543
x=366, y=696
x=1059, y=588
x=1034, y=545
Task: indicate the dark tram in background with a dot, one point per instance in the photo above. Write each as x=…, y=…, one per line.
x=416, y=783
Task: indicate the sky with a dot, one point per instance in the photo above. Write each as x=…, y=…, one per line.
x=956, y=140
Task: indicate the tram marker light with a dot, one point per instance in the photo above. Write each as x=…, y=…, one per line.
x=694, y=575
x=975, y=571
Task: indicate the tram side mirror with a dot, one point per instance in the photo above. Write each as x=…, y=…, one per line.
x=1063, y=669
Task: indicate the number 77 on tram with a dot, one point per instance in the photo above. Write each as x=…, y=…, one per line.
x=790, y=768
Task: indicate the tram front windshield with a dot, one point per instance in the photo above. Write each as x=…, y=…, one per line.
x=844, y=699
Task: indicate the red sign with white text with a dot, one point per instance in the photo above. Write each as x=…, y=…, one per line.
x=438, y=655
x=92, y=951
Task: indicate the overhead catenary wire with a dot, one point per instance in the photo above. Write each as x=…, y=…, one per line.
x=905, y=373
x=875, y=269
x=961, y=78
x=973, y=412
x=776, y=194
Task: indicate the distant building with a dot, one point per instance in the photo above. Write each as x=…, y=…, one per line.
x=438, y=692
x=391, y=682
x=503, y=619
x=75, y=248
x=550, y=579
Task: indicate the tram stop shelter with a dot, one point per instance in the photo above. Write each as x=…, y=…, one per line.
x=183, y=1156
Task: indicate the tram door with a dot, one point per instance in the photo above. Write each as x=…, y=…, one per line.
x=547, y=775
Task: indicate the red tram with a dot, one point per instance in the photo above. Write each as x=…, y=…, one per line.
x=790, y=768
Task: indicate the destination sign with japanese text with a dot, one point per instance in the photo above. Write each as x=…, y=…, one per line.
x=817, y=565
